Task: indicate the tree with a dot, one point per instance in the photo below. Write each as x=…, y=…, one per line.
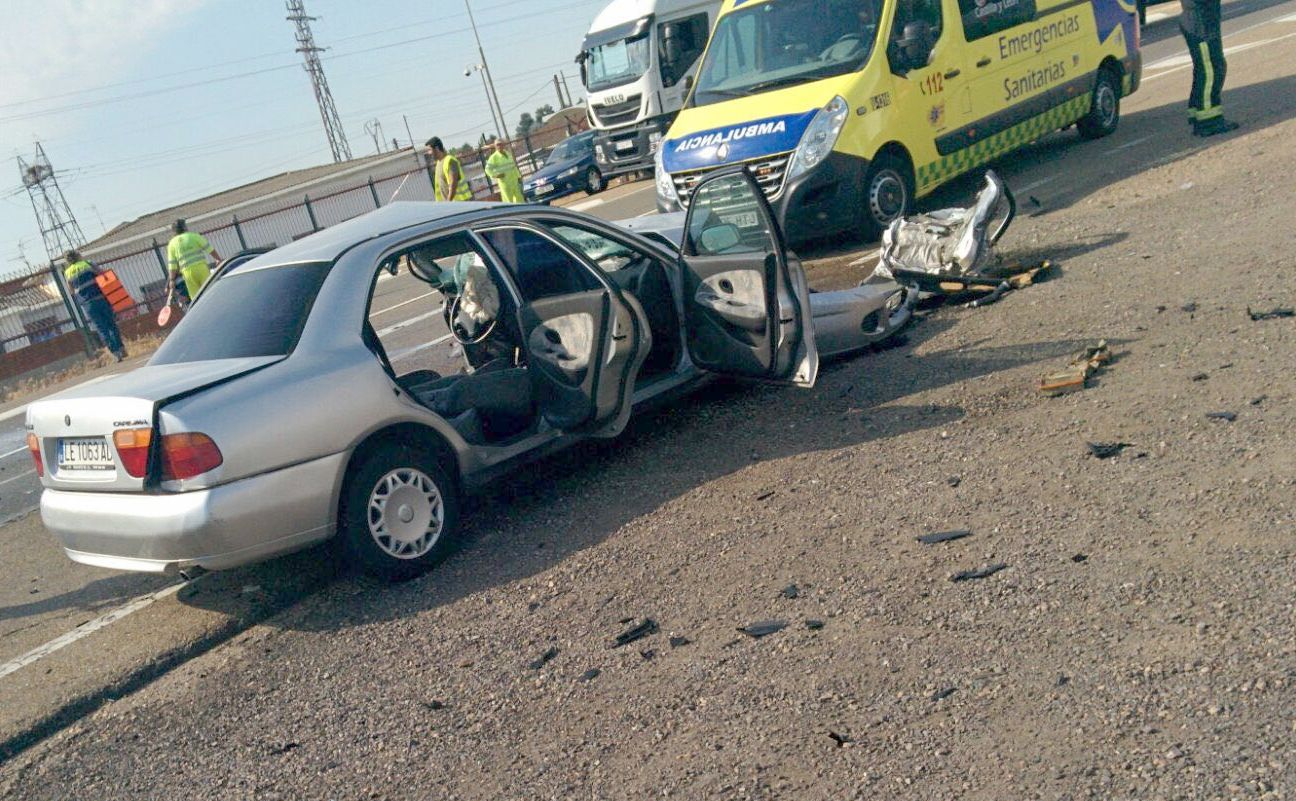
x=541, y=113
x=525, y=124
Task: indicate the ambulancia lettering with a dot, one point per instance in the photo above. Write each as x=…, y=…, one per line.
x=732, y=135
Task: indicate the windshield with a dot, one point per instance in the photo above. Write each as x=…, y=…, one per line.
x=569, y=149
x=616, y=63
x=245, y=314
x=784, y=43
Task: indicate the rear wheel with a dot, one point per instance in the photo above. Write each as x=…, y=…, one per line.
x=400, y=512
x=593, y=181
x=1104, y=110
x=888, y=194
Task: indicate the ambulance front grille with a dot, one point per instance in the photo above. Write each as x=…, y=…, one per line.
x=769, y=172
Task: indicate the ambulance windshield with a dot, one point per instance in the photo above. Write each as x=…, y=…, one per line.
x=784, y=43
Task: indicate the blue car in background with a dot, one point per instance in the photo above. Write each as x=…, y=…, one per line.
x=570, y=168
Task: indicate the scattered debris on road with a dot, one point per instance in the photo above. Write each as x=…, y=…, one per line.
x=637, y=632
x=678, y=642
x=1199, y=377
x=1227, y=417
x=543, y=659
x=763, y=629
x=790, y=592
x=433, y=705
x=1080, y=558
x=285, y=748
x=944, y=536
x=1077, y=373
x=1272, y=314
x=840, y=739
x=814, y=625
x=980, y=572
x=1106, y=450
x=589, y=675
x=942, y=694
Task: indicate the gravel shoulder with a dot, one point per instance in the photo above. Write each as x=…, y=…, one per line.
x=1140, y=641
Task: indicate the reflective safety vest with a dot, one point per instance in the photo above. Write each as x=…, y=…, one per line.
x=81, y=279
x=502, y=169
x=443, y=171
x=187, y=254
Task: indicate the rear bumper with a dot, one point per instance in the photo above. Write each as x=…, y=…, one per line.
x=227, y=526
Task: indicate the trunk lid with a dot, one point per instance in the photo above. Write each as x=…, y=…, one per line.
x=75, y=428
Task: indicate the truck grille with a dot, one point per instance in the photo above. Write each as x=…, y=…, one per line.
x=617, y=113
x=769, y=172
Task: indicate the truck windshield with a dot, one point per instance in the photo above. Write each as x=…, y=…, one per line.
x=616, y=63
x=783, y=43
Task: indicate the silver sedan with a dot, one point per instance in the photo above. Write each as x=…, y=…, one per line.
x=275, y=416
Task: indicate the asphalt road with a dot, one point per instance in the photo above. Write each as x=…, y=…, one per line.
x=42, y=595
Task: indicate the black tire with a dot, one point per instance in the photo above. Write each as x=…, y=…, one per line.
x=593, y=181
x=888, y=194
x=389, y=550
x=1104, y=110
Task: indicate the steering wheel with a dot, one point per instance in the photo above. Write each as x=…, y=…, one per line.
x=457, y=330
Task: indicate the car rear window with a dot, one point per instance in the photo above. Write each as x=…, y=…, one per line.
x=245, y=314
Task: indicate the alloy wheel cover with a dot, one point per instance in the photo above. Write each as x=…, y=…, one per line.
x=405, y=513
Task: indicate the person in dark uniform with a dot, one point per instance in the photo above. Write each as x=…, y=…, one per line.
x=1200, y=23
x=80, y=275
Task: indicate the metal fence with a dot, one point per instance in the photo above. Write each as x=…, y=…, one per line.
x=36, y=307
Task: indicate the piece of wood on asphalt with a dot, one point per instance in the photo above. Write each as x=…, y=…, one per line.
x=763, y=628
x=979, y=573
x=944, y=536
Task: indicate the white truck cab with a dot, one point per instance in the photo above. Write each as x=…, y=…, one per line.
x=637, y=63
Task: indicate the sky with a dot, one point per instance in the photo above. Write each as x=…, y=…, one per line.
x=143, y=104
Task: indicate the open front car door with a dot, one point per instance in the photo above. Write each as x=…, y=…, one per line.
x=746, y=309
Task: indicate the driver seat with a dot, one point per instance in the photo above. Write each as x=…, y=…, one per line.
x=493, y=403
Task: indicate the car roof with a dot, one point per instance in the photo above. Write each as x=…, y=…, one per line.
x=330, y=243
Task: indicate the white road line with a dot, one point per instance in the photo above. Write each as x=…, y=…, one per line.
x=587, y=204
x=402, y=303
x=12, y=452
x=1288, y=18
x=23, y=408
x=405, y=354
x=86, y=629
x=1040, y=182
x=418, y=318
x=1183, y=60
x=15, y=478
x=1138, y=141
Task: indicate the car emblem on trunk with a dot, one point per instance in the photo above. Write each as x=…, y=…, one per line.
x=67, y=419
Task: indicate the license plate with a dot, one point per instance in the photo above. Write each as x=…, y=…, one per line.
x=743, y=219
x=544, y=190
x=85, y=453
x=624, y=145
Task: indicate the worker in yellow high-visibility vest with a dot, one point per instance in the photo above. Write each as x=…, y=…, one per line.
x=80, y=275
x=504, y=171
x=187, y=254
x=450, y=181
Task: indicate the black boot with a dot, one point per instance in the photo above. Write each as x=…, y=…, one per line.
x=1213, y=126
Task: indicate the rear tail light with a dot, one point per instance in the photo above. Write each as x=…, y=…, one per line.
x=187, y=455
x=133, y=449
x=33, y=445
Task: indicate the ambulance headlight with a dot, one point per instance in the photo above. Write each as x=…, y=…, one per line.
x=665, y=185
x=820, y=136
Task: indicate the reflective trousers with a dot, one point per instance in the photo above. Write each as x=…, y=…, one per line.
x=104, y=322
x=1209, y=69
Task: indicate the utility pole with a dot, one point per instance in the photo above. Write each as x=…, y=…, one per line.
x=323, y=97
x=58, y=225
x=486, y=73
x=562, y=104
x=566, y=87
x=374, y=128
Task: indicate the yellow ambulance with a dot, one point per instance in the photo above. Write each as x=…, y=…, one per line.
x=845, y=111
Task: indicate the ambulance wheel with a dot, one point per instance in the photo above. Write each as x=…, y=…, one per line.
x=593, y=181
x=888, y=194
x=1104, y=111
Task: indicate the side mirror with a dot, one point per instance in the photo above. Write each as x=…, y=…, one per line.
x=916, y=44
x=719, y=238
x=688, y=83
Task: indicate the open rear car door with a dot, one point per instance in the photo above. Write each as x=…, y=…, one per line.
x=583, y=353
x=746, y=308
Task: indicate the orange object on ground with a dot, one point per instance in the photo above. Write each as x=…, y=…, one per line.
x=112, y=288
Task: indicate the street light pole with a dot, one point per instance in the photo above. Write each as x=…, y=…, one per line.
x=499, y=124
x=486, y=73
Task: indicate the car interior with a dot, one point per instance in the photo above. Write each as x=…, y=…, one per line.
x=485, y=390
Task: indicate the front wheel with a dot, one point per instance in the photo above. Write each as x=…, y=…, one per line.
x=1104, y=110
x=400, y=512
x=593, y=181
x=888, y=194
